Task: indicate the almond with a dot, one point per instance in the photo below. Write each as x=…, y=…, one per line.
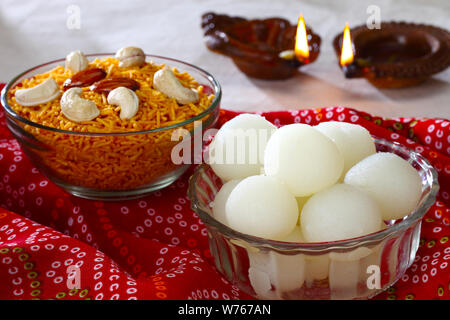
x=84, y=78
x=107, y=85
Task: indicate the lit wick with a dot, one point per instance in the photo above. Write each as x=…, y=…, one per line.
x=301, y=50
x=301, y=40
x=347, y=47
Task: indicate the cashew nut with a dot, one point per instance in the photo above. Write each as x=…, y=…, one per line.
x=76, y=108
x=76, y=61
x=164, y=80
x=44, y=92
x=130, y=56
x=126, y=99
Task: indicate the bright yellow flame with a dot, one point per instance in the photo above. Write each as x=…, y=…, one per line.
x=301, y=40
x=347, y=50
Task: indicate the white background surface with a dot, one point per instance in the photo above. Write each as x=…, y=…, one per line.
x=33, y=32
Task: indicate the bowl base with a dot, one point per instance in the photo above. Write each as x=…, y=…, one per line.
x=119, y=195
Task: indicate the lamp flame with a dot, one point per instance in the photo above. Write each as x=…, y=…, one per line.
x=301, y=40
x=347, y=48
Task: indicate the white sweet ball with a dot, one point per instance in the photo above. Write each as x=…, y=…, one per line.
x=295, y=236
x=262, y=206
x=353, y=141
x=220, y=200
x=339, y=212
x=304, y=158
x=237, y=150
x=393, y=183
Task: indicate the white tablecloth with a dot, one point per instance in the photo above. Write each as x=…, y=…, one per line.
x=33, y=32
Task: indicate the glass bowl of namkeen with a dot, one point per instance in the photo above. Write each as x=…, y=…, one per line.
x=112, y=126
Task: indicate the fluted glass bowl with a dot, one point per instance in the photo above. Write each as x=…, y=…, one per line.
x=357, y=268
x=128, y=164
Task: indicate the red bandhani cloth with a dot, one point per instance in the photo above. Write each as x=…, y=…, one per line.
x=157, y=248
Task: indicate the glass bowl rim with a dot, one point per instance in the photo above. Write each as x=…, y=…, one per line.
x=215, y=103
x=374, y=237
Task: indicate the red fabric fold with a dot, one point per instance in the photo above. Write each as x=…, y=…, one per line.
x=155, y=247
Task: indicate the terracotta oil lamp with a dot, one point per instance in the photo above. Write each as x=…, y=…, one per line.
x=397, y=55
x=268, y=49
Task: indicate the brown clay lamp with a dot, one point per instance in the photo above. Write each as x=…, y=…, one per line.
x=395, y=56
x=268, y=49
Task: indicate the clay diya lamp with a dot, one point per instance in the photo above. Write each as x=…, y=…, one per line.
x=397, y=55
x=268, y=49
